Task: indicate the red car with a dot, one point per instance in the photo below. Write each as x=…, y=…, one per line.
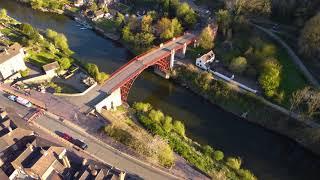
x=67, y=137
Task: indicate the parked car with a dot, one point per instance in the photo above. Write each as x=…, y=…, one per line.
x=23, y=102
x=12, y=97
x=67, y=137
x=80, y=144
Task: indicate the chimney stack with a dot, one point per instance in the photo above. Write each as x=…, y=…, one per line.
x=5, y=49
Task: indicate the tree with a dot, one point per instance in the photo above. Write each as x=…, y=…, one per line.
x=204, y=81
x=51, y=34
x=309, y=41
x=179, y=128
x=36, y=4
x=176, y=27
x=238, y=64
x=253, y=7
x=127, y=34
x=306, y=101
x=143, y=107
x=186, y=14
x=207, y=150
x=234, y=163
x=224, y=19
x=146, y=24
x=206, y=38
x=164, y=28
x=143, y=40
x=156, y=115
x=64, y=63
x=270, y=77
x=119, y=20
x=3, y=14
x=167, y=124
x=218, y=155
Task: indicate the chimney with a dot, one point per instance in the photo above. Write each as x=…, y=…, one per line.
x=30, y=146
x=66, y=162
x=5, y=49
x=44, y=152
x=10, y=130
x=94, y=172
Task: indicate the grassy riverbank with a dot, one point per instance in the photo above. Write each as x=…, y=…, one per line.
x=228, y=98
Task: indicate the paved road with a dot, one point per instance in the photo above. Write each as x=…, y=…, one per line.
x=129, y=70
x=96, y=148
x=104, y=152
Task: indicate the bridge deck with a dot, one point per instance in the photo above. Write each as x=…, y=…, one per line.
x=140, y=63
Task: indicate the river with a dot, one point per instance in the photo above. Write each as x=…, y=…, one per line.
x=266, y=154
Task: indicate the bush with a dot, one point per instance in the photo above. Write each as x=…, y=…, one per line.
x=156, y=115
x=179, y=128
x=143, y=107
x=234, y=163
x=270, y=77
x=25, y=73
x=167, y=124
x=218, y=155
x=238, y=65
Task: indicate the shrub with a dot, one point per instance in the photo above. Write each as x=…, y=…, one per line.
x=156, y=115
x=218, y=155
x=207, y=150
x=25, y=73
x=270, y=77
x=179, y=128
x=234, y=163
x=246, y=174
x=167, y=124
x=238, y=65
x=143, y=107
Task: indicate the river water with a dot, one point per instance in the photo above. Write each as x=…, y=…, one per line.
x=266, y=154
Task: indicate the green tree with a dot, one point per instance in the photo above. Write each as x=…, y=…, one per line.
x=119, y=20
x=146, y=24
x=127, y=34
x=234, y=163
x=270, y=77
x=186, y=14
x=207, y=150
x=224, y=19
x=156, y=115
x=64, y=63
x=204, y=81
x=309, y=41
x=36, y=4
x=238, y=64
x=206, y=38
x=167, y=124
x=3, y=14
x=179, y=128
x=143, y=107
x=218, y=155
x=143, y=40
x=164, y=28
x=253, y=7
x=176, y=27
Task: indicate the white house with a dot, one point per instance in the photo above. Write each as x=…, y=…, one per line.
x=51, y=68
x=78, y=3
x=204, y=61
x=11, y=61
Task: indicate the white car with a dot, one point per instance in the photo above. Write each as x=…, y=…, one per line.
x=12, y=97
x=23, y=102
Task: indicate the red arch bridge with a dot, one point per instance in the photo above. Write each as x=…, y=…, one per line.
x=117, y=87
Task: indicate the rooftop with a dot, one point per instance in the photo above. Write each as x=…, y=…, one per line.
x=207, y=57
x=51, y=66
x=10, y=52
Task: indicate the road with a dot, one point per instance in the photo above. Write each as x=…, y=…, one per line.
x=96, y=148
x=104, y=152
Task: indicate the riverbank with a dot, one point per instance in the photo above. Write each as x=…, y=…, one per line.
x=245, y=104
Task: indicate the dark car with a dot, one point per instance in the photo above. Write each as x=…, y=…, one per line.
x=67, y=137
x=80, y=144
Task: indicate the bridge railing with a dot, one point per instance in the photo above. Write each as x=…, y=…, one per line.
x=150, y=50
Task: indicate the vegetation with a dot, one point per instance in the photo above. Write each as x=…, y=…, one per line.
x=203, y=157
x=25, y=73
x=50, y=5
x=270, y=77
x=93, y=70
x=206, y=38
x=124, y=130
x=309, y=41
x=238, y=64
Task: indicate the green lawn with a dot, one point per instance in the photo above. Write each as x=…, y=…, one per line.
x=40, y=58
x=107, y=25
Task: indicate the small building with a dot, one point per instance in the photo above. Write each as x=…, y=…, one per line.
x=11, y=61
x=204, y=61
x=98, y=15
x=78, y=3
x=51, y=68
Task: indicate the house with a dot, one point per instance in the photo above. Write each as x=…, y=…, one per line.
x=11, y=61
x=98, y=15
x=78, y=3
x=204, y=61
x=51, y=68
